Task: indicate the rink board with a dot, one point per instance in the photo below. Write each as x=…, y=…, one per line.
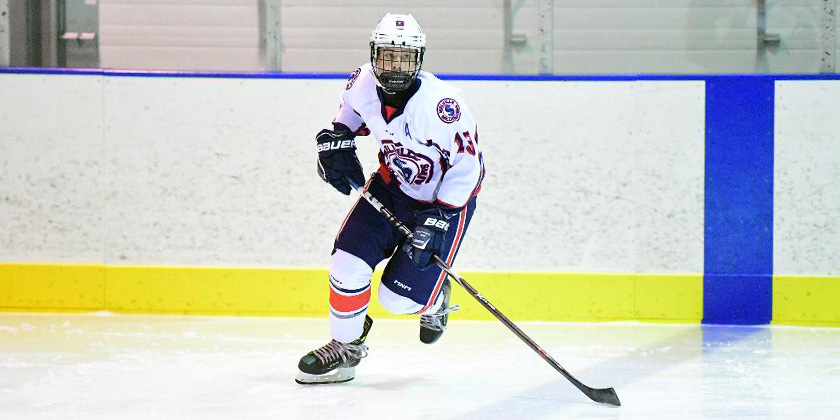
x=126, y=203
x=806, y=202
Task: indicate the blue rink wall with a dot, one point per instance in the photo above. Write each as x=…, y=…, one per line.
x=658, y=198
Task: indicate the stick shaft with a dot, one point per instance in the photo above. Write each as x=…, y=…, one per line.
x=607, y=395
x=511, y=326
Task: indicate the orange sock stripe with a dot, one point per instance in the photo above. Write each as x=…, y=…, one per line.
x=349, y=303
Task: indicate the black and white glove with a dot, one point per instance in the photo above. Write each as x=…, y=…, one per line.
x=338, y=164
x=428, y=237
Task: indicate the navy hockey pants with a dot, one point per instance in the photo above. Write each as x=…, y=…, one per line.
x=366, y=234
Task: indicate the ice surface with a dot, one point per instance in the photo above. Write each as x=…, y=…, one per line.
x=101, y=366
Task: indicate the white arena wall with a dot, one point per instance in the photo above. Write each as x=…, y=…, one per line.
x=581, y=176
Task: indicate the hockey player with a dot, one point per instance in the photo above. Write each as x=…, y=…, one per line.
x=430, y=171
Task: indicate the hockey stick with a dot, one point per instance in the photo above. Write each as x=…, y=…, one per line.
x=601, y=395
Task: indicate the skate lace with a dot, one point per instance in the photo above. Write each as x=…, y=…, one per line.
x=335, y=350
x=435, y=320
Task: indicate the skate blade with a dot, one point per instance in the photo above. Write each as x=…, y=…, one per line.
x=336, y=376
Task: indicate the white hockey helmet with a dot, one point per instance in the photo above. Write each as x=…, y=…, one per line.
x=397, y=45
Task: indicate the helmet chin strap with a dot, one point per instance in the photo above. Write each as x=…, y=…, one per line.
x=389, y=91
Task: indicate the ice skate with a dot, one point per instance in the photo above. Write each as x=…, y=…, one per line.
x=334, y=362
x=432, y=326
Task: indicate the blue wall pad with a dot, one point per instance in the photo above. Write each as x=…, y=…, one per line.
x=738, y=261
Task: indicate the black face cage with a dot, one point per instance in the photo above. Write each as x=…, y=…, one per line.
x=393, y=81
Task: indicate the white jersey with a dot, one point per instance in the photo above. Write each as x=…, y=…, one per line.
x=431, y=148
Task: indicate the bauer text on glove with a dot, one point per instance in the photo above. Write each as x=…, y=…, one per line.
x=429, y=236
x=337, y=161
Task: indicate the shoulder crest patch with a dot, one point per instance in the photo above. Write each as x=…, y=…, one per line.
x=448, y=110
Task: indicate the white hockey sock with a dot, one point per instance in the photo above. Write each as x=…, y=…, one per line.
x=349, y=295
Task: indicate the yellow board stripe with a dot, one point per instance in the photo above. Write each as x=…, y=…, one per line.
x=305, y=292
x=70, y=287
x=584, y=297
x=202, y=290
x=806, y=300
x=797, y=300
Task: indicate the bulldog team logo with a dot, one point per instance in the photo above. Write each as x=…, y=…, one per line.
x=353, y=78
x=409, y=166
x=448, y=110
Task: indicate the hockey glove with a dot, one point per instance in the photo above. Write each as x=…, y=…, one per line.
x=428, y=237
x=337, y=161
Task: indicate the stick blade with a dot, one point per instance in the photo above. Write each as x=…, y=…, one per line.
x=604, y=396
